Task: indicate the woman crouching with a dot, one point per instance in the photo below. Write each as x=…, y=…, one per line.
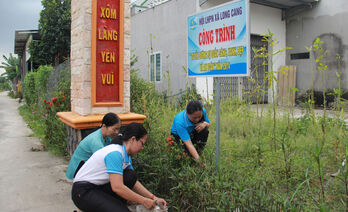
x=107, y=180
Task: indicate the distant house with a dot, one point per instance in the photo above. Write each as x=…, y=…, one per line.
x=22, y=41
x=159, y=40
x=328, y=21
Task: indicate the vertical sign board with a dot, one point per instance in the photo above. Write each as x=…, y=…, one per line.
x=107, y=52
x=218, y=46
x=218, y=41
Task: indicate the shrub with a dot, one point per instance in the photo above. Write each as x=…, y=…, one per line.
x=252, y=176
x=4, y=84
x=49, y=90
x=189, y=94
x=41, y=81
x=146, y=100
x=64, y=81
x=30, y=91
x=141, y=92
x=55, y=131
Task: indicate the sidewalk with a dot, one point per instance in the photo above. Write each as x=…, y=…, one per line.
x=30, y=181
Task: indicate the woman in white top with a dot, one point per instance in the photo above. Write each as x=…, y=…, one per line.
x=107, y=180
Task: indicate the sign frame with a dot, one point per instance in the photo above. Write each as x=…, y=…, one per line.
x=247, y=44
x=119, y=53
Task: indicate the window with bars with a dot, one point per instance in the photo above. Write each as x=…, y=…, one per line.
x=155, y=66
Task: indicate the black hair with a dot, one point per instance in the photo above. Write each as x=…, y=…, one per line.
x=133, y=129
x=110, y=119
x=193, y=106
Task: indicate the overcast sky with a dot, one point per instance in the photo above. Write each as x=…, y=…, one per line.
x=17, y=15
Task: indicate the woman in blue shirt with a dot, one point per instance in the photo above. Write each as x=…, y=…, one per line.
x=191, y=127
x=98, y=139
x=107, y=180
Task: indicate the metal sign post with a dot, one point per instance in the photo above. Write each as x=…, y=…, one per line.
x=217, y=125
x=218, y=46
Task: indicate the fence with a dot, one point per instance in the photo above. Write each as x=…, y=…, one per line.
x=287, y=81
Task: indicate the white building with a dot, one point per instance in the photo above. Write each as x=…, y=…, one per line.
x=159, y=39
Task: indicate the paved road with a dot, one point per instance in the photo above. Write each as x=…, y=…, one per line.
x=29, y=181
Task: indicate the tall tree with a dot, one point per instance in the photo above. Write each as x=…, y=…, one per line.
x=54, y=28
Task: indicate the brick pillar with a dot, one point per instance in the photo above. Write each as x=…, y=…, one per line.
x=81, y=27
x=84, y=115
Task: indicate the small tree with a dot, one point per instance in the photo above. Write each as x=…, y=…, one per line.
x=54, y=28
x=11, y=66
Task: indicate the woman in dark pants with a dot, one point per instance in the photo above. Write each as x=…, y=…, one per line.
x=191, y=127
x=107, y=180
x=100, y=138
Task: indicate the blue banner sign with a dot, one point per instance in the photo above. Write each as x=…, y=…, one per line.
x=218, y=41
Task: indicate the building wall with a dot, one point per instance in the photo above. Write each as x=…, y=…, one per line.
x=262, y=19
x=326, y=20
x=168, y=23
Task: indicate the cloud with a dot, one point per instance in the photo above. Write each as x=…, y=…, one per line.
x=16, y=15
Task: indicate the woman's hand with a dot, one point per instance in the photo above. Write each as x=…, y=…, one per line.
x=160, y=202
x=199, y=162
x=149, y=203
x=201, y=126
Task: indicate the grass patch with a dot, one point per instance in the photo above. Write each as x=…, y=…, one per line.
x=254, y=175
x=34, y=119
x=38, y=123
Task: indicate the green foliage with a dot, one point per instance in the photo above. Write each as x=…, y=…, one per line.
x=54, y=28
x=33, y=116
x=55, y=130
x=317, y=153
x=4, y=84
x=141, y=91
x=30, y=90
x=253, y=176
x=145, y=99
x=64, y=82
x=11, y=66
x=16, y=95
x=41, y=80
x=268, y=162
x=38, y=88
x=271, y=76
x=188, y=95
